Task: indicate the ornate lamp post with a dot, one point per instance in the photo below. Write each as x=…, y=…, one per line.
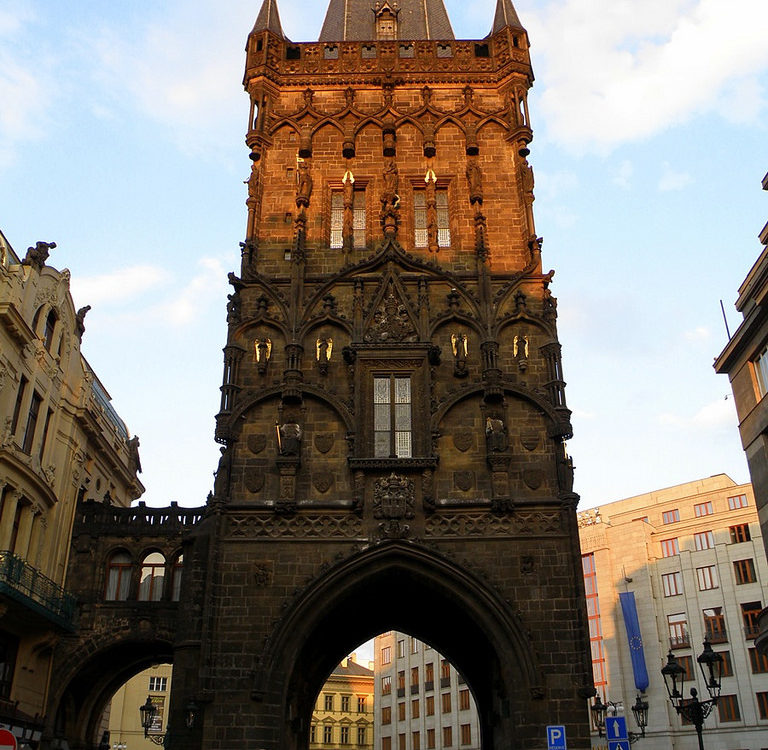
x=148, y=712
x=692, y=709
x=639, y=710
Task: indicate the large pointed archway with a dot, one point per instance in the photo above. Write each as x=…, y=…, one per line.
x=402, y=586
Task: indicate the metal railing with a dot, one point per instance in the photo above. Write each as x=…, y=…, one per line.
x=23, y=582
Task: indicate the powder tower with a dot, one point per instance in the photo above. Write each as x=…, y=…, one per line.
x=393, y=412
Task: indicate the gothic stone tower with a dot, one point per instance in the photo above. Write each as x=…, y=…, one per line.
x=393, y=409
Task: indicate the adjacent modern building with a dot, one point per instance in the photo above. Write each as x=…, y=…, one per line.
x=663, y=571
x=344, y=711
x=745, y=360
x=61, y=441
x=422, y=702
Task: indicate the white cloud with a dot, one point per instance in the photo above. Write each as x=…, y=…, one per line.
x=671, y=180
x=206, y=287
x=615, y=71
x=23, y=93
x=118, y=287
x=624, y=174
x=177, y=75
x=710, y=417
x=700, y=333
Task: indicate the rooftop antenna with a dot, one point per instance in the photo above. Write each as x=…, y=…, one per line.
x=725, y=320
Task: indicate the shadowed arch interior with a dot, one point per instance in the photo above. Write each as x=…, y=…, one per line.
x=88, y=691
x=400, y=587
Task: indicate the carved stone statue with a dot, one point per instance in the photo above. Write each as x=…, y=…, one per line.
x=289, y=442
x=459, y=346
x=133, y=454
x=221, y=481
x=324, y=350
x=80, y=321
x=475, y=180
x=391, y=184
x=496, y=435
x=37, y=255
x=304, y=188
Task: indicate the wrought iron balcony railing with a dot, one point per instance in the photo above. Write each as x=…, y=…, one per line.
x=28, y=586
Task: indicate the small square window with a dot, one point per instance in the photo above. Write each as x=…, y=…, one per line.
x=703, y=509
x=670, y=547
x=740, y=533
x=670, y=516
x=704, y=540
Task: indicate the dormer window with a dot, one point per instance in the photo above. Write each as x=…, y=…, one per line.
x=386, y=20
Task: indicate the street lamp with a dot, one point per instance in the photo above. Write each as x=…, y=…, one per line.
x=639, y=710
x=148, y=712
x=692, y=709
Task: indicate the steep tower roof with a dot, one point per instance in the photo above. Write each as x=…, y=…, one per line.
x=355, y=20
x=268, y=19
x=505, y=15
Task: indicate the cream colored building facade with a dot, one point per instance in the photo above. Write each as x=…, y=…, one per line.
x=125, y=730
x=422, y=702
x=344, y=711
x=60, y=440
x=692, y=555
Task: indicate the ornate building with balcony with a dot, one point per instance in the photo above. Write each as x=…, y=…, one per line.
x=60, y=440
x=663, y=571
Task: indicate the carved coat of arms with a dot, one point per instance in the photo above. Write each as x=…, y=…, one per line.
x=324, y=441
x=257, y=443
x=393, y=498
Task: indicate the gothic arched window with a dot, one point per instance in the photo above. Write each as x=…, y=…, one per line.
x=152, y=578
x=118, y=577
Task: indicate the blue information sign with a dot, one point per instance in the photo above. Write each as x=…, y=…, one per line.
x=618, y=745
x=556, y=738
x=616, y=728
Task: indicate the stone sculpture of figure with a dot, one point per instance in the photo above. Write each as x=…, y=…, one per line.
x=496, y=435
x=324, y=350
x=348, y=223
x=391, y=184
x=80, y=321
x=290, y=439
x=221, y=480
x=459, y=345
x=37, y=255
x=133, y=454
x=253, y=182
x=475, y=180
x=349, y=96
x=526, y=176
x=304, y=188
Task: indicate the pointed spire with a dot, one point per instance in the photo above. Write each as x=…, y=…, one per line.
x=268, y=19
x=505, y=15
x=355, y=20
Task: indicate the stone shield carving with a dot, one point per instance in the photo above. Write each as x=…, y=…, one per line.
x=322, y=481
x=254, y=479
x=533, y=478
x=393, y=498
x=463, y=440
x=530, y=440
x=464, y=480
x=324, y=441
x=257, y=443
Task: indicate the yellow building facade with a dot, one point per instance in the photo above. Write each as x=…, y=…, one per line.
x=61, y=440
x=344, y=711
x=125, y=730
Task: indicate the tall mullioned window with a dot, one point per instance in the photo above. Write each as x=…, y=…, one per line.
x=337, y=219
x=420, y=218
x=392, y=417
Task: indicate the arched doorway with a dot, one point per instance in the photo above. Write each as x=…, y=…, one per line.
x=401, y=586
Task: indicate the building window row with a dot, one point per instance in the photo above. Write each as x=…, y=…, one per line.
x=348, y=217
x=153, y=572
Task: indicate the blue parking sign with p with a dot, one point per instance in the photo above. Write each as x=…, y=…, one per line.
x=556, y=738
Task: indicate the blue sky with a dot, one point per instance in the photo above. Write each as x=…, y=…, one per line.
x=122, y=139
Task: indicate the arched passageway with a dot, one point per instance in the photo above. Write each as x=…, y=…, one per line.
x=403, y=587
